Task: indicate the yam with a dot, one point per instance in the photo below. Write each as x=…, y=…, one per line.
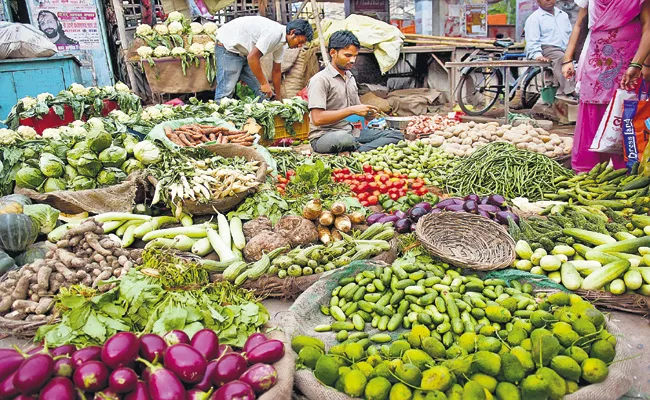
x=101, y=277
x=15, y=316
x=43, y=278
x=298, y=230
x=20, y=291
x=5, y=303
x=35, y=297
x=25, y=306
x=256, y=226
x=68, y=275
x=263, y=243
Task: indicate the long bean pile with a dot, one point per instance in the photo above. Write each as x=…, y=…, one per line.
x=502, y=168
x=287, y=159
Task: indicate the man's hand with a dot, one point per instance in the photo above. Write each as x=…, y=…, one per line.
x=568, y=70
x=267, y=90
x=631, y=79
x=542, y=59
x=364, y=110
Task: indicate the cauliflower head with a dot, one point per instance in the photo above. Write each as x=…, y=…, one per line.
x=145, y=52
x=209, y=47
x=196, y=28
x=44, y=96
x=161, y=29
x=119, y=115
x=197, y=48
x=175, y=28
x=8, y=136
x=178, y=51
x=27, y=132
x=28, y=102
x=210, y=28
x=161, y=51
x=51, y=133
x=175, y=16
x=144, y=30
x=121, y=87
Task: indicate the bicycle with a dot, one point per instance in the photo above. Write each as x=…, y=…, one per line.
x=481, y=87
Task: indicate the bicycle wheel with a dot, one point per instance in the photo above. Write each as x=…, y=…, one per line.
x=532, y=89
x=479, y=90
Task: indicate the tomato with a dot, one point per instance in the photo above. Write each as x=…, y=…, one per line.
x=364, y=203
x=422, y=191
x=400, y=183
x=416, y=185
x=372, y=200
x=393, y=190
x=372, y=186
x=283, y=180
x=402, y=193
x=291, y=173
x=354, y=188
x=347, y=182
x=363, y=186
x=383, y=189
x=376, y=193
x=362, y=196
x=383, y=177
x=394, y=196
x=367, y=168
x=345, y=170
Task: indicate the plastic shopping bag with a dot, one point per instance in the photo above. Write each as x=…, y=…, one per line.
x=609, y=136
x=635, y=135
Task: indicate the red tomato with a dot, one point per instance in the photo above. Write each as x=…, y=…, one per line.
x=363, y=186
x=369, y=177
x=347, y=182
x=362, y=196
x=291, y=173
x=367, y=168
x=416, y=185
x=394, y=196
x=345, y=170
x=400, y=183
x=393, y=190
x=402, y=193
x=422, y=191
x=372, y=186
x=383, y=177
x=376, y=193
x=354, y=188
x=372, y=200
x=364, y=203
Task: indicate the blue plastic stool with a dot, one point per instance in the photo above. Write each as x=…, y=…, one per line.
x=357, y=121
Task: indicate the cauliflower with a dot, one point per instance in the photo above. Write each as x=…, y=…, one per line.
x=161, y=51
x=78, y=89
x=44, y=96
x=167, y=112
x=65, y=130
x=121, y=116
x=175, y=28
x=145, y=52
x=161, y=29
x=27, y=132
x=108, y=90
x=51, y=133
x=197, y=49
x=210, y=28
x=77, y=131
x=28, y=102
x=143, y=30
x=196, y=28
x=7, y=136
x=95, y=122
x=209, y=47
x=77, y=123
x=175, y=16
x=178, y=51
x=121, y=87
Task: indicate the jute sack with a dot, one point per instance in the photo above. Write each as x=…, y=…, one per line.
x=305, y=314
x=285, y=368
x=118, y=198
x=167, y=76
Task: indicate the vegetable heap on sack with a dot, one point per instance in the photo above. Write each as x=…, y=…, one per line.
x=169, y=367
x=78, y=163
x=84, y=102
x=82, y=255
x=196, y=134
x=425, y=125
x=468, y=337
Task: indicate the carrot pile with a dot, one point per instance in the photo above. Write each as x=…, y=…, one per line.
x=195, y=134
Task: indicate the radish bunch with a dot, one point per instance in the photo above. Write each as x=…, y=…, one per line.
x=149, y=367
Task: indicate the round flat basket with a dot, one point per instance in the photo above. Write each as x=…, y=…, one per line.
x=466, y=240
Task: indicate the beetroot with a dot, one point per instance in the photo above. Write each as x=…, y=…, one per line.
x=58, y=388
x=140, y=393
x=229, y=367
x=253, y=341
x=123, y=380
x=224, y=349
x=163, y=384
x=10, y=364
x=152, y=346
x=175, y=337
x=121, y=349
x=64, y=367
x=186, y=362
x=90, y=353
x=266, y=353
x=196, y=394
x=206, y=342
x=91, y=376
x=34, y=373
x=234, y=390
x=260, y=377
x=7, y=388
x=66, y=349
x=206, y=381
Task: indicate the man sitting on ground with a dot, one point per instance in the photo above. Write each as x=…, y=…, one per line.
x=547, y=35
x=333, y=96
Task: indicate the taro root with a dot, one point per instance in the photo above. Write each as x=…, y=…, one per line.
x=256, y=226
x=298, y=230
x=264, y=243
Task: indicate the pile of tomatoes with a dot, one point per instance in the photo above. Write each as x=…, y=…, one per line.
x=282, y=181
x=369, y=185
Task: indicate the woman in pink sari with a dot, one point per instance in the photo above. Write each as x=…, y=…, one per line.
x=612, y=58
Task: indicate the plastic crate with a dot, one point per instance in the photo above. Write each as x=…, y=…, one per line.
x=301, y=128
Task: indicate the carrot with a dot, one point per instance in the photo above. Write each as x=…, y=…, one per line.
x=212, y=137
x=184, y=139
x=168, y=130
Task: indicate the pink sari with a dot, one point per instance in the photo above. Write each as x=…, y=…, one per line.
x=614, y=39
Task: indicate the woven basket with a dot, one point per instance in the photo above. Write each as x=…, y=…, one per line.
x=466, y=240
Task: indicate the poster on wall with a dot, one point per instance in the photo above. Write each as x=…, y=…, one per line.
x=524, y=9
x=454, y=21
x=70, y=24
x=476, y=20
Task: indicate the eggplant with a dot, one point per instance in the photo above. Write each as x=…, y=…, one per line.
x=416, y=213
x=471, y=206
x=7, y=388
x=458, y=201
x=374, y=218
x=120, y=350
x=444, y=203
x=388, y=218
x=489, y=208
x=34, y=373
x=400, y=214
x=7, y=353
x=254, y=340
x=176, y=336
x=224, y=349
x=484, y=200
x=36, y=350
x=66, y=349
x=123, y=380
x=141, y=392
x=206, y=342
x=403, y=225
x=196, y=394
x=106, y=394
x=426, y=205
x=24, y=397
x=10, y=364
x=456, y=208
x=472, y=197
x=413, y=227
x=64, y=367
x=267, y=353
x=484, y=214
x=496, y=200
x=502, y=217
x=163, y=384
x=229, y=368
x=260, y=377
x=152, y=346
x=186, y=362
x=206, y=382
x=90, y=353
x=58, y=388
x=91, y=376
x=234, y=390
x=436, y=211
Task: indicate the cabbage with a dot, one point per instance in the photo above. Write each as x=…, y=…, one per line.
x=113, y=156
x=131, y=165
x=147, y=152
x=82, y=183
x=29, y=153
x=51, y=165
x=110, y=176
x=88, y=165
x=70, y=173
x=54, y=185
x=98, y=139
x=45, y=215
x=58, y=148
x=129, y=143
x=75, y=154
x=29, y=177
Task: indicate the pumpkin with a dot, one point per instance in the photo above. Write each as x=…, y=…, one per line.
x=19, y=198
x=37, y=251
x=6, y=262
x=17, y=232
x=10, y=207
